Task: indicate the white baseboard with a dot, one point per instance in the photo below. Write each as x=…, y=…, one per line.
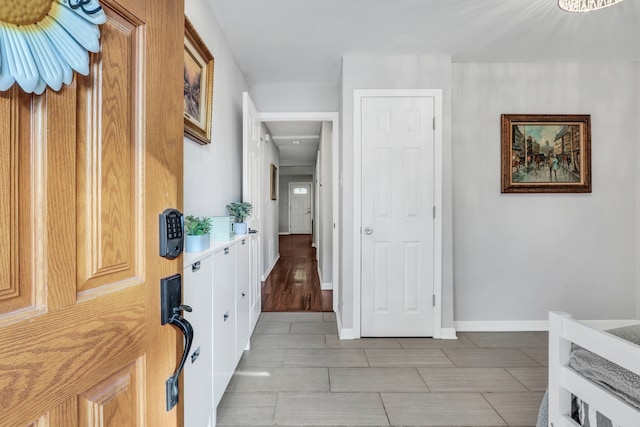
x=532, y=325
x=268, y=272
x=284, y=233
x=448, y=334
x=348, y=334
x=345, y=333
x=501, y=325
x=324, y=286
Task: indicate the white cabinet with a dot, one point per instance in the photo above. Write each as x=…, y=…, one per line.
x=242, y=296
x=219, y=293
x=197, y=292
x=224, y=318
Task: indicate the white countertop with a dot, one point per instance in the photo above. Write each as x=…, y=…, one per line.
x=191, y=257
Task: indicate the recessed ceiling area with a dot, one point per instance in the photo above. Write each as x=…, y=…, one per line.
x=298, y=141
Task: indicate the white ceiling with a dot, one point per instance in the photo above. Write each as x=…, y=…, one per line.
x=303, y=41
x=305, y=133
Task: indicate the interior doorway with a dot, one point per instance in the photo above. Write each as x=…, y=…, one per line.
x=323, y=231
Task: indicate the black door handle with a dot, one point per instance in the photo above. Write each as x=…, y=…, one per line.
x=251, y=231
x=171, y=312
x=185, y=327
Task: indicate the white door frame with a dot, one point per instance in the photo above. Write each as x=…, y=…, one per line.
x=358, y=94
x=334, y=118
x=254, y=131
x=311, y=202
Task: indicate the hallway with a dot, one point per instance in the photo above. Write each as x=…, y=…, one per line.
x=293, y=284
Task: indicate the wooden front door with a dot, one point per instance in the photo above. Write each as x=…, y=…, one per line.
x=84, y=173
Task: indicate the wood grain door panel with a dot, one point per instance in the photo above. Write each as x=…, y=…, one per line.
x=109, y=159
x=17, y=287
x=84, y=173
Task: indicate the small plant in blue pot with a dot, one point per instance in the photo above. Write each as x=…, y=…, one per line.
x=197, y=232
x=240, y=211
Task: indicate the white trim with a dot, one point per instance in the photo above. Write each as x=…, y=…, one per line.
x=334, y=117
x=348, y=334
x=324, y=286
x=284, y=233
x=532, y=325
x=501, y=325
x=357, y=209
x=273, y=264
x=323, y=116
x=335, y=185
x=345, y=333
x=448, y=334
x=358, y=94
x=437, y=201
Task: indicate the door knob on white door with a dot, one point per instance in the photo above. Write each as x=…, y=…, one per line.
x=368, y=230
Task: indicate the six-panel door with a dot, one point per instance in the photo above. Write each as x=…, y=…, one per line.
x=84, y=174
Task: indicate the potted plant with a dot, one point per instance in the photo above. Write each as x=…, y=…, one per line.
x=240, y=211
x=197, y=231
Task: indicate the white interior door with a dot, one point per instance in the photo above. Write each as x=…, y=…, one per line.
x=300, y=208
x=397, y=240
x=252, y=193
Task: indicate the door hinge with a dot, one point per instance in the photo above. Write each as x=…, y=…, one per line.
x=434, y=212
x=434, y=300
x=434, y=123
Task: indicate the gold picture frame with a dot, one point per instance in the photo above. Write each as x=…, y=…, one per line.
x=198, y=86
x=544, y=153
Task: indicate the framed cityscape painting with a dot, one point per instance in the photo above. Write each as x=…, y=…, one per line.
x=544, y=153
x=198, y=86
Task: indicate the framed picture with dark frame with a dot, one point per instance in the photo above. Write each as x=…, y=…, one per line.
x=274, y=182
x=546, y=153
x=198, y=86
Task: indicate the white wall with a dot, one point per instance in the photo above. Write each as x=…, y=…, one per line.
x=213, y=173
x=637, y=252
x=601, y=276
x=340, y=276
x=392, y=72
x=325, y=196
x=270, y=209
x=517, y=256
x=316, y=214
x=294, y=97
x=284, y=196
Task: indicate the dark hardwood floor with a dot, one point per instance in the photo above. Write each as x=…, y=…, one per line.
x=293, y=284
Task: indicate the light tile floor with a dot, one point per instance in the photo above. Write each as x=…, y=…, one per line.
x=298, y=373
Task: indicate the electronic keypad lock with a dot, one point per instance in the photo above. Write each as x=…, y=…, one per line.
x=171, y=231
